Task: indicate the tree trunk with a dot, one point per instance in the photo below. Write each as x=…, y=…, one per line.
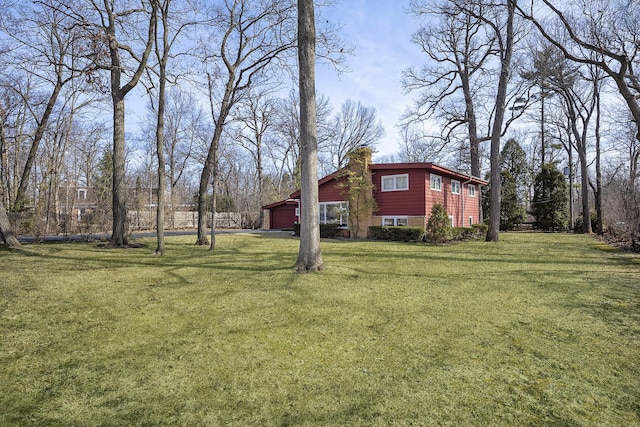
x=33, y=151
x=162, y=179
x=205, y=175
x=571, y=207
x=5, y=228
x=584, y=182
x=598, y=190
x=119, y=236
x=119, y=208
x=495, y=181
x=162, y=83
x=472, y=125
x=309, y=256
x=211, y=163
x=214, y=196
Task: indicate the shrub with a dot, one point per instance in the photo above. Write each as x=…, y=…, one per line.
x=577, y=224
x=475, y=232
x=396, y=233
x=439, y=225
x=480, y=230
x=327, y=231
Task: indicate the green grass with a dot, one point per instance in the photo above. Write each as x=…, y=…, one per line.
x=537, y=329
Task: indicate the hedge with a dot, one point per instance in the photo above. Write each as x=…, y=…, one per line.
x=475, y=232
x=327, y=231
x=396, y=233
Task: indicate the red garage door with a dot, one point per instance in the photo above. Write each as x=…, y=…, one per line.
x=282, y=215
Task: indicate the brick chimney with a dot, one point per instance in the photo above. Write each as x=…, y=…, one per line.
x=360, y=191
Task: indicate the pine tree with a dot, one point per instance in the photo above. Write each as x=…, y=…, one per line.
x=550, y=199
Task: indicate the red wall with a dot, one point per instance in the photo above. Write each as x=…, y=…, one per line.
x=471, y=206
x=420, y=198
x=409, y=202
x=453, y=202
x=331, y=191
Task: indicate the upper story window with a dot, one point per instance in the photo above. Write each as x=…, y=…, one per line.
x=395, y=182
x=436, y=182
x=472, y=190
x=82, y=194
x=455, y=186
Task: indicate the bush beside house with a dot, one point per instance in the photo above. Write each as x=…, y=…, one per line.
x=397, y=233
x=439, y=225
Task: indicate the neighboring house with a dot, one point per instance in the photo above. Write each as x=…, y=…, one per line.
x=76, y=202
x=404, y=194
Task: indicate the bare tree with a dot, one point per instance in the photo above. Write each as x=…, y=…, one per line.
x=355, y=126
x=457, y=87
x=120, y=38
x=505, y=37
x=579, y=105
x=604, y=34
x=309, y=255
x=284, y=146
x=65, y=132
x=166, y=37
x=418, y=145
x=621, y=193
x=252, y=37
x=45, y=47
x=256, y=114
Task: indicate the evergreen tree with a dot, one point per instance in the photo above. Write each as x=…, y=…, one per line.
x=514, y=159
x=512, y=209
x=515, y=173
x=550, y=199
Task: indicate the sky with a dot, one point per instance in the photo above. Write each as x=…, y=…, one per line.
x=380, y=32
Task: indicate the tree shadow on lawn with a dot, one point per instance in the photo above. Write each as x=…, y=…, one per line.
x=232, y=259
x=247, y=256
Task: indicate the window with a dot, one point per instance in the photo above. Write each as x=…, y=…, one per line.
x=452, y=220
x=82, y=194
x=395, y=182
x=334, y=212
x=436, y=182
x=472, y=190
x=455, y=186
x=470, y=221
x=397, y=221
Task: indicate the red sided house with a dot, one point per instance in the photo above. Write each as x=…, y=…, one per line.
x=404, y=194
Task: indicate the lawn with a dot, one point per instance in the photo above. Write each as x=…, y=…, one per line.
x=535, y=329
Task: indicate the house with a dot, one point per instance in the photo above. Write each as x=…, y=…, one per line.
x=404, y=194
x=75, y=202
